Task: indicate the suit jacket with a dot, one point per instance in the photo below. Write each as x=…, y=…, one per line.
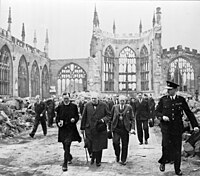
x=128, y=119
x=141, y=110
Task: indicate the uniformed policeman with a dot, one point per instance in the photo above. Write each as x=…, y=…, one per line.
x=170, y=112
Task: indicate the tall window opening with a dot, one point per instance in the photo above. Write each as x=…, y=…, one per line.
x=45, y=82
x=23, y=78
x=182, y=73
x=127, y=70
x=72, y=78
x=35, y=80
x=109, y=69
x=144, y=66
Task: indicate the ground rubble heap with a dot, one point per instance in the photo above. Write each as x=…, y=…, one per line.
x=14, y=118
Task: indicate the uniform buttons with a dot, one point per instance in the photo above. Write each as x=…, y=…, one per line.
x=172, y=109
x=173, y=114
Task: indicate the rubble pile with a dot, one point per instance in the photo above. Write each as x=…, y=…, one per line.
x=14, y=118
x=191, y=143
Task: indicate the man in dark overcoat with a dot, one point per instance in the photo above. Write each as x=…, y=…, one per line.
x=40, y=116
x=50, y=104
x=122, y=122
x=152, y=108
x=170, y=112
x=141, y=112
x=66, y=119
x=93, y=112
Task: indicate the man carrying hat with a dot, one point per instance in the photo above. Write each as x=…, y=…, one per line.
x=170, y=112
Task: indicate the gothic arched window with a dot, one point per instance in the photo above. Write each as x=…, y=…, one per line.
x=144, y=66
x=127, y=70
x=35, y=80
x=5, y=71
x=23, y=80
x=72, y=78
x=109, y=69
x=182, y=73
x=45, y=82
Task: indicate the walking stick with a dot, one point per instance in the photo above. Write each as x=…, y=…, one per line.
x=85, y=148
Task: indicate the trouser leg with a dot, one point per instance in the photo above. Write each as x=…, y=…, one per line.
x=44, y=126
x=36, y=123
x=177, y=143
x=98, y=156
x=116, y=144
x=66, y=147
x=125, y=141
x=146, y=130
x=139, y=130
x=165, y=148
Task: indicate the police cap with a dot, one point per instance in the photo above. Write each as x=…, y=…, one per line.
x=171, y=85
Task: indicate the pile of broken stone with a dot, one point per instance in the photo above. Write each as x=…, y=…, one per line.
x=15, y=117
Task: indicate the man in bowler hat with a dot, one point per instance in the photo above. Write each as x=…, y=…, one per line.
x=170, y=112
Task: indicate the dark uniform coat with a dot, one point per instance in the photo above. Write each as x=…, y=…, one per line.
x=90, y=117
x=69, y=129
x=174, y=110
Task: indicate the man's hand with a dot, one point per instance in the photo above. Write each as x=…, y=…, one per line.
x=41, y=115
x=132, y=131
x=165, y=118
x=72, y=120
x=196, y=129
x=60, y=123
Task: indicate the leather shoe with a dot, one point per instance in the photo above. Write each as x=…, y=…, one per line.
x=123, y=163
x=98, y=164
x=117, y=159
x=64, y=167
x=146, y=142
x=179, y=173
x=92, y=161
x=140, y=143
x=69, y=162
x=162, y=167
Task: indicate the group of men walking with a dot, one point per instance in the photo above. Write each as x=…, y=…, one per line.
x=100, y=121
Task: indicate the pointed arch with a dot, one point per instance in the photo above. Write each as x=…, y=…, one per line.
x=127, y=70
x=6, y=76
x=181, y=72
x=23, y=78
x=108, y=76
x=144, y=66
x=35, y=80
x=71, y=78
x=45, y=82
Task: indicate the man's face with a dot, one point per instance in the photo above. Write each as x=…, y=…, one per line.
x=122, y=101
x=95, y=100
x=171, y=92
x=140, y=96
x=66, y=98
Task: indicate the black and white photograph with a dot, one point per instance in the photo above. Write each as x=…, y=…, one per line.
x=99, y=88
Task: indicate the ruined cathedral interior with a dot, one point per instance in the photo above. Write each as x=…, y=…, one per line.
x=117, y=63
